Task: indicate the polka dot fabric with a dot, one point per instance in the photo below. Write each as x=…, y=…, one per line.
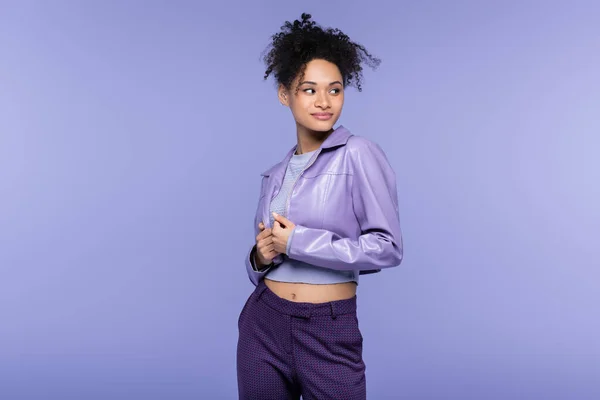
x=289, y=350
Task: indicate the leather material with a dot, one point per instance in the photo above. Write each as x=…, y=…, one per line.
x=344, y=206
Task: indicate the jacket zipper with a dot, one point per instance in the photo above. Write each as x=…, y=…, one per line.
x=287, y=203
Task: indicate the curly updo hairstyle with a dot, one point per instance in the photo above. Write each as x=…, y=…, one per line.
x=302, y=41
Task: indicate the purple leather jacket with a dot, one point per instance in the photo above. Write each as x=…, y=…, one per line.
x=344, y=206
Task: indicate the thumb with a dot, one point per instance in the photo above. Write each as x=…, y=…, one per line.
x=281, y=219
x=276, y=227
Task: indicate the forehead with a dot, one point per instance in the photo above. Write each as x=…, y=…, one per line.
x=322, y=71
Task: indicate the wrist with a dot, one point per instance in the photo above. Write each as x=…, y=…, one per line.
x=260, y=265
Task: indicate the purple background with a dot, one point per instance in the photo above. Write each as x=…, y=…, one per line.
x=132, y=135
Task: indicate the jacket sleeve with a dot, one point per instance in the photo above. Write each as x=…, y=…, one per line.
x=375, y=202
x=254, y=274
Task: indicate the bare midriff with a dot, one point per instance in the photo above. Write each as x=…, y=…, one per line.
x=311, y=293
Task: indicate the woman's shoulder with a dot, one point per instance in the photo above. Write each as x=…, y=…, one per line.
x=361, y=146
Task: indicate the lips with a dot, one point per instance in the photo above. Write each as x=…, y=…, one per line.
x=322, y=116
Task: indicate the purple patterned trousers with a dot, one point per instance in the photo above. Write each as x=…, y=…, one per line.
x=288, y=349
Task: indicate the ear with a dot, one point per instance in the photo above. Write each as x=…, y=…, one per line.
x=283, y=95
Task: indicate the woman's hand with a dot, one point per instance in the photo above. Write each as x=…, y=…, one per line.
x=282, y=228
x=265, y=249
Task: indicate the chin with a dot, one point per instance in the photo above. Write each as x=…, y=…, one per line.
x=320, y=126
x=322, y=129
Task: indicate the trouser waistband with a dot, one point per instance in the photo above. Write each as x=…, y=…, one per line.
x=304, y=310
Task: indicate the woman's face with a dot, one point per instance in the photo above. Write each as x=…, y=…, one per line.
x=318, y=102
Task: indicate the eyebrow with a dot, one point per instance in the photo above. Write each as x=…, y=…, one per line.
x=314, y=83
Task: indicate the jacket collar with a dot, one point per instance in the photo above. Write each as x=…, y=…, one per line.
x=339, y=137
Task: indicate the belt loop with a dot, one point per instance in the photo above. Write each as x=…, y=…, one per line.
x=333, y=315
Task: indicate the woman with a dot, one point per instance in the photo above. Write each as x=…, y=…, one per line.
x=326, y=214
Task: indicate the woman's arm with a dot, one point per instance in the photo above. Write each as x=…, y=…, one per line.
x=375, y=201
x=256, y=271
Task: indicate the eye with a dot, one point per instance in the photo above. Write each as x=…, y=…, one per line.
x=309, y=90
x=335, y=91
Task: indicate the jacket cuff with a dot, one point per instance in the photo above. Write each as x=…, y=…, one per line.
x=288, y=245
x=295, y=248
x=252, y=259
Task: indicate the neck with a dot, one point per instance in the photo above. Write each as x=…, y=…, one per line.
x=309, y=140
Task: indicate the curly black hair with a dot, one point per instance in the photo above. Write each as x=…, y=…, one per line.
x=302, y=41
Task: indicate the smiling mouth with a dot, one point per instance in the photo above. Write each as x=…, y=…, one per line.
x=322, y=116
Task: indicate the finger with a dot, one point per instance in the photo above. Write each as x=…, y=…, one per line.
x=264, y=234
x=264, y=242
x=268, y=248
x=281, y=219
x=268, y=252
x=277, y=229
x=261, y=226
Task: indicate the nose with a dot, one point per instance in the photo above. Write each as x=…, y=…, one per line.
x=322, y=101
